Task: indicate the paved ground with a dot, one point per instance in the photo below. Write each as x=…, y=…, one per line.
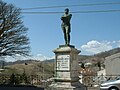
x=20, y=88
x=33, y=88
x=93, y=88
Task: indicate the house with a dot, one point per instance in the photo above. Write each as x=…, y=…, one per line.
x=112, y=68
x=112, y=65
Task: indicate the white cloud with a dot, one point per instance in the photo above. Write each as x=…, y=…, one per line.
x=93, y=47
x=15, y=58
x=118, y=43
x=53, y=57
x=40, y=57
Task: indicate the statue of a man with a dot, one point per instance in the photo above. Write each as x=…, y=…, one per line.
x=66, y=27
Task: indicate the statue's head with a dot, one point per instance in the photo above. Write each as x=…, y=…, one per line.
x=66, y=11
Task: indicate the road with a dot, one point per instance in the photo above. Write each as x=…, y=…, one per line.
x=20, y=88
x=93, y=88
x=33, y=88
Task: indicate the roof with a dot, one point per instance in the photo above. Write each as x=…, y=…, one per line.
x=117, y=55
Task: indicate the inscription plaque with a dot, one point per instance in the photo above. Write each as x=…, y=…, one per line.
x=63, y=62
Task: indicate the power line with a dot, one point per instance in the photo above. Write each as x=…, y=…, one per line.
x=97, y=11
x=42, y=12
x=96, y=4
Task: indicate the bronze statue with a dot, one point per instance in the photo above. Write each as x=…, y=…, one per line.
x=66, y=27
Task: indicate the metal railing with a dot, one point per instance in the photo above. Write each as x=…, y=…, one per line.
x=92, y=81
x=16, y=79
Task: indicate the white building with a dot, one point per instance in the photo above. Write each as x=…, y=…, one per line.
x=112, y=64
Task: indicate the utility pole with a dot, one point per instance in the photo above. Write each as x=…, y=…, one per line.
x=3, y=64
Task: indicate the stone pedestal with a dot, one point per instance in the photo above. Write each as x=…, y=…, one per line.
x=66, y=69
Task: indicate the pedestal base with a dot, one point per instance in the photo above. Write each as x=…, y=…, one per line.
x=67, y=86
x=66, y=69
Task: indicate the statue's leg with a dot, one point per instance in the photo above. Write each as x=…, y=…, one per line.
x=68, y=35
x=65, y=36
x=64, y=32
x=68, y=38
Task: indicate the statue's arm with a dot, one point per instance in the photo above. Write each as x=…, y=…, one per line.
x=63, y=18
x=70, y=16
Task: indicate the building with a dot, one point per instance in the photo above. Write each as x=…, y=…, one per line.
x=112, y=65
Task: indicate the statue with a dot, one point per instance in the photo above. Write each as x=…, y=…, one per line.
x=66, y=27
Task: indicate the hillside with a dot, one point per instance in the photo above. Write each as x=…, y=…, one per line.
x=100, y=57
x=108, y=53
x=46, y=68
x=97, y=60
x=30, y=67
x=82, y=58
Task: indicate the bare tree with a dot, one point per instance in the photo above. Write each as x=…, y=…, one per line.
x=13, y=34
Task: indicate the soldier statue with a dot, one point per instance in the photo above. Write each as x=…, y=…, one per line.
x=66, y=27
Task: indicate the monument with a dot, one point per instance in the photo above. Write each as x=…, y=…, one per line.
x=66, y=61
x=66, y=27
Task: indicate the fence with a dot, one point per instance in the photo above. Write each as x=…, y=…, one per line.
x=17, y=79
x=92, y=81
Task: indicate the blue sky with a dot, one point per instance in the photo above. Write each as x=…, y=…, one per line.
x=91, y=32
